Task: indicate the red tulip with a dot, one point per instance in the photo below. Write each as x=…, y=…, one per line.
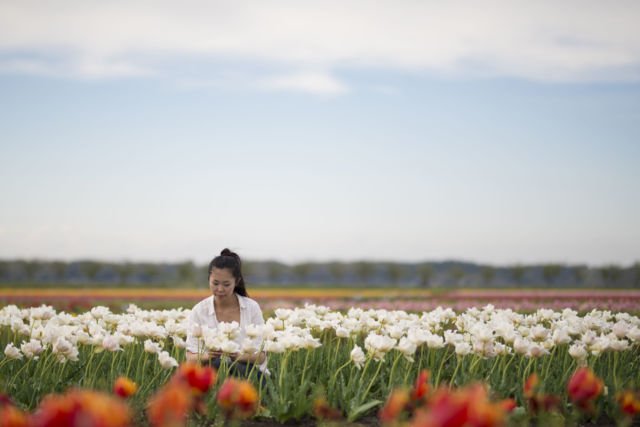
x=199, y=378
x=584, y=387
x=421, y=386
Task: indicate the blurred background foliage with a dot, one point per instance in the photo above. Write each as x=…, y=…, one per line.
x=449, y=274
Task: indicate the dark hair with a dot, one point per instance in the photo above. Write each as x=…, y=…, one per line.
x=230, y=260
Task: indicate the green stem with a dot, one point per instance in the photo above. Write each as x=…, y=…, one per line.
x=393, y=368
x=304, y=369
x=375, y=376
x=455, y=371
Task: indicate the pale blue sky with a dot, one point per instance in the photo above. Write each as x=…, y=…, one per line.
x=304, y=142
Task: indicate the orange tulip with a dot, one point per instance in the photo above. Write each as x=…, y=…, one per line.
x=531, y=386
x=396, y=403
x=584, y=387
x=322, y=410
x=238, y=399
x=124, y=387
x=629, y=402
x=10, y=416
x=483, y=412
x=81, y=408
x=171, y=405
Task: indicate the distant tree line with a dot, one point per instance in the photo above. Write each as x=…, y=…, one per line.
x=447, y=274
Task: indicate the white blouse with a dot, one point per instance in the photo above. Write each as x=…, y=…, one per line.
x=204, y=314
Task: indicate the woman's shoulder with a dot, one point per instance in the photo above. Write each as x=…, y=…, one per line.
x=202, y=305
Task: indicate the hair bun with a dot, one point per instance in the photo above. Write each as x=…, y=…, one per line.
x=229, y=252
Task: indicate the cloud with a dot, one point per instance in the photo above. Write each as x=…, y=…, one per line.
x=572, y=40
x=310, y=82
x=93, y=68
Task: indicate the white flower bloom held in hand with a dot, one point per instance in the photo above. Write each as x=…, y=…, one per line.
x=229, y=347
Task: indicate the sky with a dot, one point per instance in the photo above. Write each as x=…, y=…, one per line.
x=497, y=132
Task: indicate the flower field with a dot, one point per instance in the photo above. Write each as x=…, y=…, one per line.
x=82, y=299
x=481, y=366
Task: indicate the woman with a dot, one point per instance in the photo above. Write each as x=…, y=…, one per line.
x=229, y=302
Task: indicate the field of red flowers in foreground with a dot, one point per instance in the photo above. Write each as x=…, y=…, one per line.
x=527, y=300
x=183, y=401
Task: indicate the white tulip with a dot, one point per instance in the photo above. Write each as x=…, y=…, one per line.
x=521, y=346
x=310, y=342
x=282, y=313
x=249, y=346
x=12, y=352
x=395, y=332
x=481, y=332
x=64, y=350
x=599, y=345
x=342, y=332
x=619, y=345
x=273, y=347
x=111, y=343
x=578, y=351
x=407, y=348
x=463, y=348
x=620, y=329
x=418, y=336
x=230, y=347
x=166, y=361
x=561, y=336
x=634, y=334
x=100, y=312
x=253, y=331
x=152, y=347
x=435, y=341
x=32, y=349
x=536, y=350
x=179, y=342
x=196, y=330
x=357, y=356
x=231, y=329
x=539, y=333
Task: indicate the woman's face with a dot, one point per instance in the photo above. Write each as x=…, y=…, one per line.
x=221, y=282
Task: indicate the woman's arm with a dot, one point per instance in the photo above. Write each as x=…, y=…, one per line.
x=257, y=358
x=192, y=357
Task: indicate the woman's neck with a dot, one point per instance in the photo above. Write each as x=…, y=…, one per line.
x=227, y=302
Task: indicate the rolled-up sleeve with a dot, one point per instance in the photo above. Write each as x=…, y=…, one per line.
x=192, y=341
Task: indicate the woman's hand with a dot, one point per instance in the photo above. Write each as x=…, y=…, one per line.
x=215, y=353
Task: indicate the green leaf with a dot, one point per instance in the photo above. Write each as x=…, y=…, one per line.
x=362, y=409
